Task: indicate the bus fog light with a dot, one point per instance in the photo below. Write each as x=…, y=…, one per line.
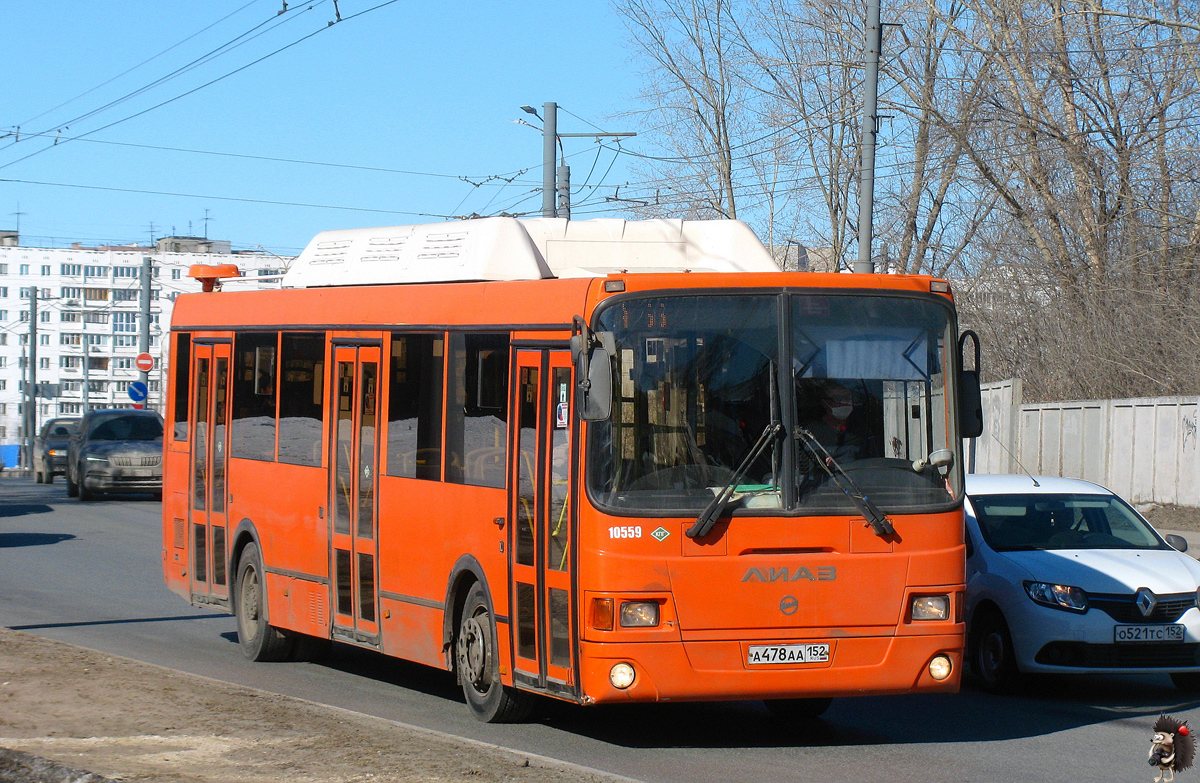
x=639, y=614
x=621, y=675
x=931, y=607
x=940, y=667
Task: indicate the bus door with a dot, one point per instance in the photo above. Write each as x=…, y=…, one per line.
x=540, y=534
x=354, y=527
x=210, y=455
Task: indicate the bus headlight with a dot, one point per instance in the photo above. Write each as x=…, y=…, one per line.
x=622, y=675
x=639, y=614
x=940, y=667
x=931, y=607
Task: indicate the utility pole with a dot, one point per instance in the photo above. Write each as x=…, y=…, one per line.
x=31, y=382
x=549, y=174
x=144, y=336
x=870, y=131
x=87, y=351
x=556, y=180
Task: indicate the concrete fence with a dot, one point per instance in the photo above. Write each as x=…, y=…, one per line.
x=1143, y=449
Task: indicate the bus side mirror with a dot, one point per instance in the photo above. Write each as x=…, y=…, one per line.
x=592, y=353
x=970, y=397
x=970, y=413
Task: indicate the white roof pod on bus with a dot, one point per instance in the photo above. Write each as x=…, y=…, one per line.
x=529, y=249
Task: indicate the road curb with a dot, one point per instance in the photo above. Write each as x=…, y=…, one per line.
x=516, y=755
x=19, y=767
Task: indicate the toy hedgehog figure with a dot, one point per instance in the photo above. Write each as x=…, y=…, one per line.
x=1172, y=749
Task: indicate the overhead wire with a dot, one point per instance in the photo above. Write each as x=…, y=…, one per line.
x=139, y=65
x=213, y=81
x=485, y=180
x=221, y=198
x=228, y=46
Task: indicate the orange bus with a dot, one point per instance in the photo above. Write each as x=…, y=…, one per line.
x=601, y=461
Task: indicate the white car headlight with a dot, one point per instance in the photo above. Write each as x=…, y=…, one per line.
x=96, y=458
x=1072, y=599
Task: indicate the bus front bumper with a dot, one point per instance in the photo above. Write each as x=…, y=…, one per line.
x=718, y=670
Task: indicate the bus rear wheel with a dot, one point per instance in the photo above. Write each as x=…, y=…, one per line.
x=479, y=668
x=259, y=640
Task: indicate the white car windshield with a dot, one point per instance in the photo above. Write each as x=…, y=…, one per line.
x=1061, y=521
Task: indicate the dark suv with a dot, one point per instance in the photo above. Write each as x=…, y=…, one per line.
x=116, y=451
x=50, y=449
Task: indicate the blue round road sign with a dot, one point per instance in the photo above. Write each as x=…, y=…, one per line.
x=137, y=391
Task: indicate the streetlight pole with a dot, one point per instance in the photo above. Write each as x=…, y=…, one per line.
x=31, y=382
x=557, y=180
x=549, y=174
x=144, y=334
x=870, y=130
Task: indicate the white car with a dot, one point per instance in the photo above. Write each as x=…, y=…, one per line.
x=1065, y=577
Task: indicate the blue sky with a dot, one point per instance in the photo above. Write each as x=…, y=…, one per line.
x=412, y=86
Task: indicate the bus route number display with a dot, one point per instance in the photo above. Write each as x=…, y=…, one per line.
x=652, y=318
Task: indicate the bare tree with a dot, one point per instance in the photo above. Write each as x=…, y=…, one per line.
x=698, y=105
x=1042, y=154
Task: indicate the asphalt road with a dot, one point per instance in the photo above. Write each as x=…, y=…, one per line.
x=90, y=574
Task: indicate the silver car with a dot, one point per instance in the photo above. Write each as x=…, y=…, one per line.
x=1064, y=577
x=116, y=451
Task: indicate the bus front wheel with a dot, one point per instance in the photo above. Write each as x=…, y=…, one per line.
x=479, y=668
x=259, y=640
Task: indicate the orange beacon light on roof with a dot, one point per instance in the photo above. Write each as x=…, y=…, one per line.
x=210, y=274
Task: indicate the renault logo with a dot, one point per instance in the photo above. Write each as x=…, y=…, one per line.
x=1145, y=601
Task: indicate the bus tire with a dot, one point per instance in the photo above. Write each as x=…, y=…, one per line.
x=478, y=666
x=798, y=709
x=258, y=640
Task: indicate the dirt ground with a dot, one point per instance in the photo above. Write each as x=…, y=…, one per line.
x=129, y=721
x=1172, y=517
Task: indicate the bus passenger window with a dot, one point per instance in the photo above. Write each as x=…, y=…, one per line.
x=414, y=435
x=182, y=367
x=301, y=398
x=477, y=409
x=253, y=420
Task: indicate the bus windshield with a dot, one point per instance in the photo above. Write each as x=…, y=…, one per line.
x=856, y=383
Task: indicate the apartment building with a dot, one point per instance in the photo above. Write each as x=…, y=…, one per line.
x=87, y=324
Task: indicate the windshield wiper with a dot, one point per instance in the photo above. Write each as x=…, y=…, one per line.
x=870, y=512
x=712, y=512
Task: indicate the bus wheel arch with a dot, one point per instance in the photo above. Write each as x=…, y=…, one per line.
x=478, y=664
x=259, y=640
x=472, y=649
x=466, y=572
x=245, y=533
